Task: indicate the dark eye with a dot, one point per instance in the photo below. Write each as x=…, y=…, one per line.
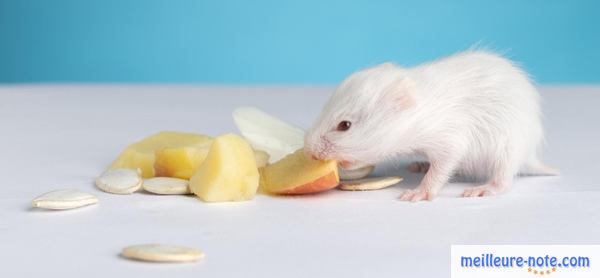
x=344, y=125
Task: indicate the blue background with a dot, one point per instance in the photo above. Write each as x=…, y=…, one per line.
x=282, y=42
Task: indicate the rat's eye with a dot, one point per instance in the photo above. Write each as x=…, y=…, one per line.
x=344, y=125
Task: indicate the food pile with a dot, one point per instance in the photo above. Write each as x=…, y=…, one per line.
x=268, y=157
x=229, y=167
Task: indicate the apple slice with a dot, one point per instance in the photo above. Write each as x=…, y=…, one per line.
x=299, y=174
x=268, y=133
x=228, y=173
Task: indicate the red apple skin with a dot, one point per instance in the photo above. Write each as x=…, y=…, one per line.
x=323, y=183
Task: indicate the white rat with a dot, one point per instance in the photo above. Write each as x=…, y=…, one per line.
x=475, y=113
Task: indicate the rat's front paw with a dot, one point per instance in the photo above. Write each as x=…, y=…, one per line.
x=417, y=194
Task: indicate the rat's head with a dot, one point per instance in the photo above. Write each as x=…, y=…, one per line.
x=355, y=125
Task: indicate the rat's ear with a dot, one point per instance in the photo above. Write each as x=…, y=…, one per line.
x=401, y=93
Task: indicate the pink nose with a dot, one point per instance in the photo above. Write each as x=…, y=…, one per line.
x=314, y=157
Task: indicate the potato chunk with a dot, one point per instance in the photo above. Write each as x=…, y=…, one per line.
x=179, y=162
x=228, y=173
x=142, y=154
x=184, y=161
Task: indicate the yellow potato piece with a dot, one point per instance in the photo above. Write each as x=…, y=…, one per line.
x=179, y=162
x=142, y=154
x=183, y=162
x=228, y=173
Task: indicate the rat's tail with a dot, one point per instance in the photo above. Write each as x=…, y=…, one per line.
x=537, y=168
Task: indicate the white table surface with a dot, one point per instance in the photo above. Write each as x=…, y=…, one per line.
x=61, y=136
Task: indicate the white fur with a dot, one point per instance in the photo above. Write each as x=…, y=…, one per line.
x=473, y=113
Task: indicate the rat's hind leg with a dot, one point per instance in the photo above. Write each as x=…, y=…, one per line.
x=500, y=182
x=491, y=188
x=418, y=167
x=437, y=176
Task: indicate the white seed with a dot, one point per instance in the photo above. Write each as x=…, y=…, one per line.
x=162, y=253
x=120, y=181
x=356, y=173
x=166, y=185
x=369, y=184
x=64, y=199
